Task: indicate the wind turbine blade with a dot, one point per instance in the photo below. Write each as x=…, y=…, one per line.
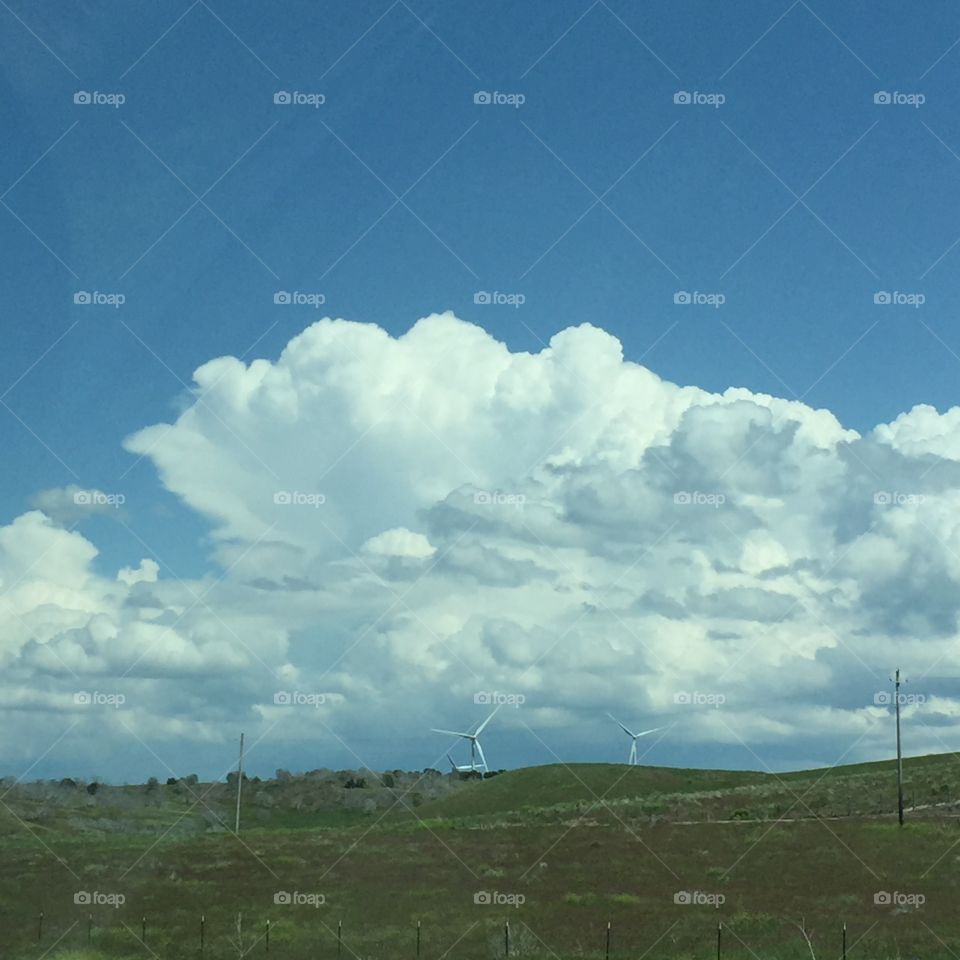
x=645, y=732
x=629, y=733
x=479, y=729
x=452, y=733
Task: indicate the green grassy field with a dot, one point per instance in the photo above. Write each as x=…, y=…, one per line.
x=681, y=794
x=557, y=852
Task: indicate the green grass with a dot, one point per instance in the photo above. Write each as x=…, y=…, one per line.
x=538, y=835
x=561, y=790
x=554, y=784
x=78, y=955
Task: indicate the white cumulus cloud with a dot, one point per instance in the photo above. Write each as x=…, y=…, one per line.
x=403, y=522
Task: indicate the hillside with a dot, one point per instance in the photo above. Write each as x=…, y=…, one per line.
x=668, y=854
x=558, y=783
x=333, y=799
x=686, y=794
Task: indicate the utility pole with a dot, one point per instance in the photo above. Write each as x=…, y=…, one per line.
x=236, y=828
x=896, y=696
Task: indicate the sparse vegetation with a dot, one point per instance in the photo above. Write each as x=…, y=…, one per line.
x=574, y=847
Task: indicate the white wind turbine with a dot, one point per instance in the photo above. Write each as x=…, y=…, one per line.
x=634, y=737
x=475, y=748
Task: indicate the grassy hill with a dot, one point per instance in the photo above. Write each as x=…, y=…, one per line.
x=559, y=784
x=533, y=847
x=677, y=793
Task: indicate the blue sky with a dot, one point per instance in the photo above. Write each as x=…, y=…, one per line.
x=595, y=200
